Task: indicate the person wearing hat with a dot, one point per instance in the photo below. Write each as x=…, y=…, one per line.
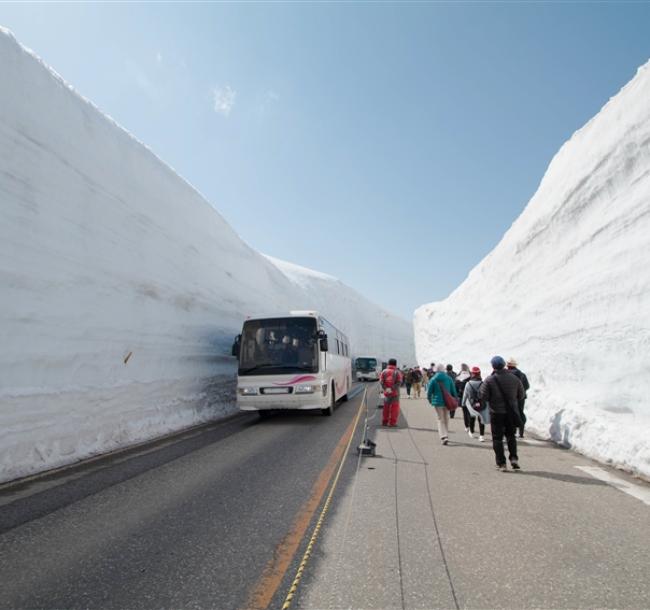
x=512, y=368
x=472, y=404
x=503, y=391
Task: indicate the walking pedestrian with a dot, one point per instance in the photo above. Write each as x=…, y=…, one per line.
x=452, y=375
x=425, y=378
x=512, y=368
x=408, y=381
x=436, y=399
x=502, y=391
x=391, y=380
x=416, y=375
x=472, y=404
x=461, y=379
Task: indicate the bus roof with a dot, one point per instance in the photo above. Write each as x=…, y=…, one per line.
x=290, y=314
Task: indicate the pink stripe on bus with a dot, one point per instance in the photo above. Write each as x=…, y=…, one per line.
x=298, y=379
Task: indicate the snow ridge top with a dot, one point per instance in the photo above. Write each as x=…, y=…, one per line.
x=564, y=288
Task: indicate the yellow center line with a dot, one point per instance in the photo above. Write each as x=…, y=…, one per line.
x=275, y=571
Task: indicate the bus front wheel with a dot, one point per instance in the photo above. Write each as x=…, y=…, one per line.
x=330, y=410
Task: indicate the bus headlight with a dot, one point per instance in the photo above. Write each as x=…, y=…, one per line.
x=305, y=389
x=248, y=391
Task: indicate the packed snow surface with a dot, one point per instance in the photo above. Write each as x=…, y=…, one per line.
x=567, y=291
x=122, y=288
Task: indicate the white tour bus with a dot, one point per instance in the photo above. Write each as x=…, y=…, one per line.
x=295, y=361
x=367, y=369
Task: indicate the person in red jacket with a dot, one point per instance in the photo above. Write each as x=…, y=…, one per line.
x=391, y=380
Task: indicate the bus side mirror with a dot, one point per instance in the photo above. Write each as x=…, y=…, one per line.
x=322, y=341
x=236, y=345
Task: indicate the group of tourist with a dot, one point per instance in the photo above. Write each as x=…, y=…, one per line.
x=414, y=379
x=497, y=400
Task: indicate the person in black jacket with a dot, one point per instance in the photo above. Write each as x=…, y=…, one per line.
x=416, y=375
x=461, y=379
x=503, y=391
x=512, y=368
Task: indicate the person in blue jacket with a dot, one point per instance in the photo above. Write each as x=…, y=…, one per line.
x=436, y=400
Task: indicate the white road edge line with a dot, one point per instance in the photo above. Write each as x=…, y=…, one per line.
x=352, y=394
x=640, y=493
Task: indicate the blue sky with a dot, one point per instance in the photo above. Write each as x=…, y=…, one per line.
x=388, y=144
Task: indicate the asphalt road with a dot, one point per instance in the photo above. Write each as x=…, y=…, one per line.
x=192, y=522
x=221, y=517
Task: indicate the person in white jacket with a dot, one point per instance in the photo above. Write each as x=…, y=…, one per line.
x=472, y=403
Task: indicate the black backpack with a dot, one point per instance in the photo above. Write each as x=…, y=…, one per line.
x=475, y=398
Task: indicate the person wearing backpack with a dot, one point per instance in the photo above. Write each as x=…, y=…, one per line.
x=503, y=391
x=452, y=374
x=512, y=368
x=436, y=399
x=391, y=380
x=472, y=404
x=416, y=375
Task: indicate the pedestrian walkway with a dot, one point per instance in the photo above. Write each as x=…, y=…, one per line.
x=426, y=526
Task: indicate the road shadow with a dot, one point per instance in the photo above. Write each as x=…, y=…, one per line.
x=565, y=478
x=282, y=417
x=422, y=429
x=477, y=445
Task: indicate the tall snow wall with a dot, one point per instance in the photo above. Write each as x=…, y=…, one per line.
x=121, y=287
x=567, y=291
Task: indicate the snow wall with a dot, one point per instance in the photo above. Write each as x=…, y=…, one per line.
x=567, y=292
x=121, y=287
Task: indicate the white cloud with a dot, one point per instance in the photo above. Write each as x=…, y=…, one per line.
x=224, y=99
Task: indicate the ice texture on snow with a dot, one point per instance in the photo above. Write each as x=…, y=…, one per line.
x=121, y=287
x=567, y=291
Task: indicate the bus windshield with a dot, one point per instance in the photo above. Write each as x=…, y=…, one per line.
x=278, y=345
x=366, y=364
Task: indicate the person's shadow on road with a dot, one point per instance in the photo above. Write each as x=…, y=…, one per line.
x=565, y=478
